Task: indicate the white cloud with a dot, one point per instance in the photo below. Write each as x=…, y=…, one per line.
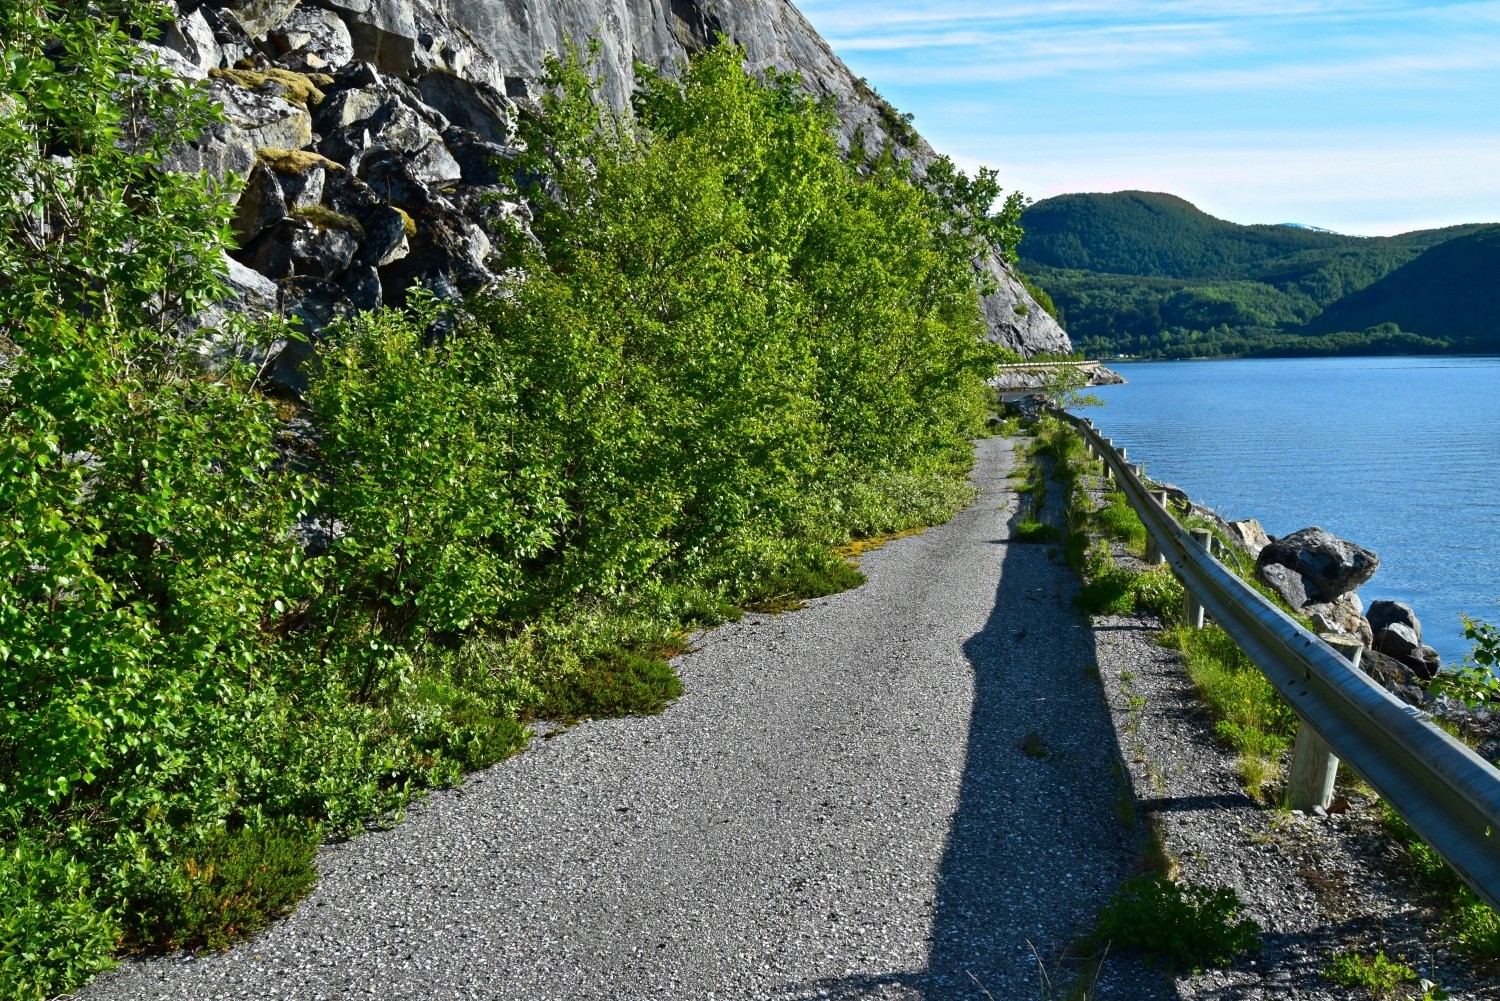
x=1368, y=185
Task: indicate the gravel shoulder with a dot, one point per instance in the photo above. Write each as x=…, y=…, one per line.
x=1316, y=885
x=894, y=792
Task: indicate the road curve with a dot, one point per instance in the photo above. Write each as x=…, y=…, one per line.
x=840, y=806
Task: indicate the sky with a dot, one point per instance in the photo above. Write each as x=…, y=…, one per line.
x=1366, y=117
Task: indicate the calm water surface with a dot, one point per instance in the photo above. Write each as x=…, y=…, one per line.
x=1401, y=455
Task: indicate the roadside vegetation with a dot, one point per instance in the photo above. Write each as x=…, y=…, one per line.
x=232, y=626
x=1249, y=715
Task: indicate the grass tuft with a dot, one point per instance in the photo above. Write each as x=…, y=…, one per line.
x=1381, y=976
x=1177, y=924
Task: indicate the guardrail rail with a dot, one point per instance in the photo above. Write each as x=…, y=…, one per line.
x=1448, y=794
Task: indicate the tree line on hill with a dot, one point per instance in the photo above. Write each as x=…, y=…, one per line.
x=1150, y=275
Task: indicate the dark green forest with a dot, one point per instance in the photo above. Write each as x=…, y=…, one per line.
x=1150, y=275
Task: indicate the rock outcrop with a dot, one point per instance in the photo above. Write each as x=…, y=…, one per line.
x=373, y=133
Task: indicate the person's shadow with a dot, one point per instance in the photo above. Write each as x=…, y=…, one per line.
x=1037, y=844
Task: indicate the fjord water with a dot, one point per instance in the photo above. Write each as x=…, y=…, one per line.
x=1401, y=455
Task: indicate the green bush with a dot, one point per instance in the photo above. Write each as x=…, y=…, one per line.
x=732, y=352
x=1179, y=924
x=1381, y=976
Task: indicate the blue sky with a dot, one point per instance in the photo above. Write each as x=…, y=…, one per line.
x=1362, y=116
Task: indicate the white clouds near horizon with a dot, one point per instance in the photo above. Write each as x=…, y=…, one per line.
x=1372, y=115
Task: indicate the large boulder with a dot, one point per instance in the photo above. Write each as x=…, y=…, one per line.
x=1288, y=584
x=262, y=204
x=311, y=40
x=1330, y=566
x=1341, y=616
x=320, y=246
x=1249, y=534
x=1385, y=613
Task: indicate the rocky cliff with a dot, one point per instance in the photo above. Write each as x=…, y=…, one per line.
x=370, y=132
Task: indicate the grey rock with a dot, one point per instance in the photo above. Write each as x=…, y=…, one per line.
x=385, y=238
x=361, y=286
x=222, y=151
x=303, y=189
x=262, y=204
x=1331, y=566
x=1014, y=319
x=250, y=294
x=384, y=33
x=479, y=162
x=478, y=107
x=1250, y=534
x=264, y=119
x=1341, y=616
x=191, y=37
x=1398, y=640
x=1286, y=582
x=1387, y=613
x=299, y=247
x=312, y=40
x=346, y=107
x=257, y=17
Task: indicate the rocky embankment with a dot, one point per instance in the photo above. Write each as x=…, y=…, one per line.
x=1319, y=575
x=1021, y=378
x=374, y=137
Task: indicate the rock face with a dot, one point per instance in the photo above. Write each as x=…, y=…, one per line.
x=1329, y=566
x=371, y=132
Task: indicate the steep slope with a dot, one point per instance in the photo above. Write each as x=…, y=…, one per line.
x=369, y=130
x=1451, y=291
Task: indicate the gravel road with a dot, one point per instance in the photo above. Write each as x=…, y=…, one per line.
x=844, y=804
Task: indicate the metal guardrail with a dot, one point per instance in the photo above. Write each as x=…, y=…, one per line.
x=1048, y=364
x=1448, y=794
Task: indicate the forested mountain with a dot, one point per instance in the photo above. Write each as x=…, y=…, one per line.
x=1150, y=274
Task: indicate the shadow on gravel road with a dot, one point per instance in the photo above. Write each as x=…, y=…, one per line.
x=1034, y=849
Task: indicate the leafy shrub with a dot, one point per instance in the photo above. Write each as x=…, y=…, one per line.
x=231, y=885
x=1181, y=925
x=1118, y=520
x=53, y=935
x=1034, y=531
x=1381, y=976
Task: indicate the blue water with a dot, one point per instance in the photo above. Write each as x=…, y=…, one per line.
x=1401, y=455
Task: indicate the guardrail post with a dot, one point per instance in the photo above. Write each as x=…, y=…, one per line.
x=1153, y=551
x=1314, y=766
x=1192, y=612
x=1106, y=476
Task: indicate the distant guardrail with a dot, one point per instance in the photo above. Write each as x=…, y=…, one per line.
x=1048, y=364
x=1448, y=794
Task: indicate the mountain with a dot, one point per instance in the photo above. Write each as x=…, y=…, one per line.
x=1452, y=290
x=387, y=119
x=1150, y=274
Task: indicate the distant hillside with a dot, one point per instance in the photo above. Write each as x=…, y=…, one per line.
x=1451, y=291
x=1150, y=274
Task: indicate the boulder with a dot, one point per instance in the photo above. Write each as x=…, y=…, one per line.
x=384, y=32
x=1398, y=640
x=262, y=204
x=256, y=17
x=1397, y=676
x=479, y=162
x=361, y=286
x=1340, y=616
x=311, y=40
x=387, y=230
x=303, y=188
x=474, y=106
x=319, y=247
x=262, y=116
x=1286, y=582
x=191, y=38
x=1388, y=613
x=1329, y=565
x=1249, y=534
x=343, y=108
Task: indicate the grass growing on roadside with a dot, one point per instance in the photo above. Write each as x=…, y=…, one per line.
x=1250, y=716
x=1381, y=976
x=1470, y=924
x=1181, y=925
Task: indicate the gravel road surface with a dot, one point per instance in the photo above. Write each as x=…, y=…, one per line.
x=887, y=794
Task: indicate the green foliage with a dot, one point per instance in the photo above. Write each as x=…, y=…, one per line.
x=222, y=636
x=1381, y=976
x=1034, y=531
x=1116, y=519
x=1249, y=714
x=53, y=935
x=1475, y=683
x=1178, y=924
x=1471, y=924
x=230, y=886
x=1150, y=275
